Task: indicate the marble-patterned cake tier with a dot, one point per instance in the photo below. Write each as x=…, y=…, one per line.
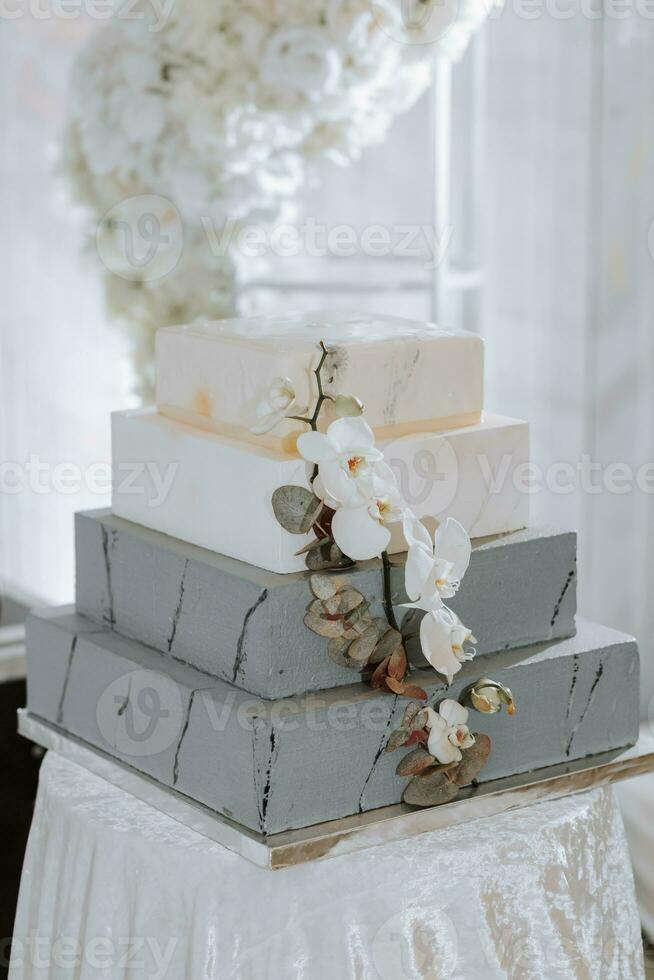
x=246, y=626
x=274, y=766
x=411, y=376
x=216, y=492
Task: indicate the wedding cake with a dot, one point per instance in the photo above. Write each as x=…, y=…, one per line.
x=317, y=592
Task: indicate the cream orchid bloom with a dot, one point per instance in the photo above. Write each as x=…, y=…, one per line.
x=362, y=532
x=448, y=731
x=434, y=569
x=442, y=639
x=489, y=697
x=347, y=458
x=277, y=405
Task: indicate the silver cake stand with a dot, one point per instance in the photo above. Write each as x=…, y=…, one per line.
x=350, y=834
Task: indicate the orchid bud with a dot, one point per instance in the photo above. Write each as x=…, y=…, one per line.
x=488, y=696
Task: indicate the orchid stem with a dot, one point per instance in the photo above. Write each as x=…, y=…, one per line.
x=388, y=597
x=322, y=397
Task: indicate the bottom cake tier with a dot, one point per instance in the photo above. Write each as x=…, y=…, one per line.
x=278, y=765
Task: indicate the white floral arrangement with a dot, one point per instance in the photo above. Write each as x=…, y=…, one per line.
x=220, y=110
x=352, y=501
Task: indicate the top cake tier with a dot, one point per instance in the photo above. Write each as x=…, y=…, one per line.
x=412, y=377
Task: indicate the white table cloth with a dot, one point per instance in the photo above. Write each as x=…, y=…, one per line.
x=636, y=798
x=113, y=889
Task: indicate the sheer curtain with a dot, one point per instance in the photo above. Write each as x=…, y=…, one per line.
x=62, y=368
x=569, y=313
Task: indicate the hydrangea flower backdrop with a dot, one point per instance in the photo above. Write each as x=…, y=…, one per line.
x=215, y=114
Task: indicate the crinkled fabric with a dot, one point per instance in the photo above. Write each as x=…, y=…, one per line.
x=113, y=889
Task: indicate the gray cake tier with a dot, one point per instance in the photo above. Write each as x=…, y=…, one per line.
x=246, y=626
x=274, y=766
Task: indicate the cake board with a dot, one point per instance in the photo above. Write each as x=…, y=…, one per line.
x=356, y=833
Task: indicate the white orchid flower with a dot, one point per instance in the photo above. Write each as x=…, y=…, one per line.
x=346, y=458
x=448, y=731
x=322, y=494
x=434, y=569
x=442, y=639
x=362, y=532
x=277, y=405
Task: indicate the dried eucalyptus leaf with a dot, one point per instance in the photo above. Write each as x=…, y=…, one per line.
x=337, y=653
x=431, y=789
x=333, y=606
x=296, y=508
x=327, y=556
x=398, y=664
x=378, y=678
x=323, y=627
x=397, y=739
x=416, y=761
x=411, y=714
x=474, y=760
x=420, y=719
x=389, y=643
x=413, y=691
x=362, y=648
x=376, y=657
x=354, y=628
x=350, y=599
x=323, y=587
x=418, y=737
x=392, y=683
x=360, y=612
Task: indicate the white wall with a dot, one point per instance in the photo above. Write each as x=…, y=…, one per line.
x=61, y=367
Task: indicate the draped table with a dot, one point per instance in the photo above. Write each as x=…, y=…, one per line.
x=112, y=888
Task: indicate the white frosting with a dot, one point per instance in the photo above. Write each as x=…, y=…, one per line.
x=216, y=492
x=409, y=375
x=296, y=330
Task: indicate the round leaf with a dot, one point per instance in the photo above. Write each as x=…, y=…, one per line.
x=323, y=587
x=296, y=508
x=327, y=556
x=397, y=739
x=397, y=666
x=433, y=788
x=473, y=761
x=337, y=653
x=413, y=691
x=362, y=648
x=323, y=627
x=411, y=713
x=389, y=643
x=415, y=762
x=349, y=600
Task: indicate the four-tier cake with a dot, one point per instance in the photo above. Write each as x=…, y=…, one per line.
x=316, y=592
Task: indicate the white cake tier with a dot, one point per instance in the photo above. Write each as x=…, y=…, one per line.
x=215, y=492
x=411, y=377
